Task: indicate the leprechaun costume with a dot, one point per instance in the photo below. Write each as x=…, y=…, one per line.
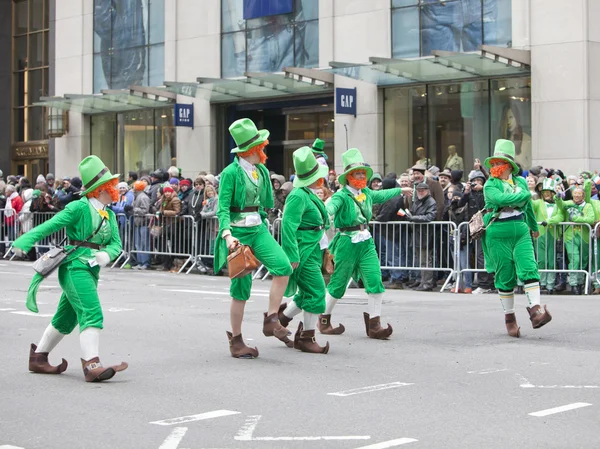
x=304, y=222
x=318, y=149
x=549, y=215
x=78, y=274
x=507, y=244
x=353, y=248
x=244, y=193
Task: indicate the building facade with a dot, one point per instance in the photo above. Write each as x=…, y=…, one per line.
x=386, y=76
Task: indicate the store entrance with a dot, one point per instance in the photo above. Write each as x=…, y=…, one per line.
x=30, y=168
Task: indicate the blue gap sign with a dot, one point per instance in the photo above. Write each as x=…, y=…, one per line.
x=262, y=8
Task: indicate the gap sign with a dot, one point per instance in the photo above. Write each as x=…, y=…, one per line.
x=184, y=115
x=345, y=101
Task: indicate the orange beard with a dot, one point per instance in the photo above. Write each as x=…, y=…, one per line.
x=497, y=171
x=110, y=187
x=258, y=149
x=320, y=183
x=355, y=183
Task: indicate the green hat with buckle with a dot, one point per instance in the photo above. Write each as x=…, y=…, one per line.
x=353, y=160
x=308, y=170
x=246, y=135
x=93, y=174
x=504, y=150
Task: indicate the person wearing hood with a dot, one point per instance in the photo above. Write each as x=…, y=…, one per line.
x=456, y=180
x=277, y=181
x=185, y=189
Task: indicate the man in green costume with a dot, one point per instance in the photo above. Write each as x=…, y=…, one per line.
x=548, y=214
x=577, y=238
x=304, y=222
x=78, y=274
x=507, y=244
x=353, y=248
x=245, y=192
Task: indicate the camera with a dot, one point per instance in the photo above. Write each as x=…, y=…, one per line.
x=472, y=183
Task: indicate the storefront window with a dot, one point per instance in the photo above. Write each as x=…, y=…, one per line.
x=129, y=40
x=139, y=141
x=266, y=36
x=421, y=26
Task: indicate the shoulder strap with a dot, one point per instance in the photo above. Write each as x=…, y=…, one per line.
x=84, y=241
x=358, y=204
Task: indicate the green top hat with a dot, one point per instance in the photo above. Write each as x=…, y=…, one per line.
x=318, y=146
x=246, y=135
x=308, y=170
x=353, y=160
x=504, y=150
x=93, y=174
x=549, y=184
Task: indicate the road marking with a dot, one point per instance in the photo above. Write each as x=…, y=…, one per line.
x=6, y=310
x=8, y=446
x=391, y=443
x=173, y=440
x=207, y=292
x=566, y=387
x=118, y=309
x=524, y=382
x=487, y=371
x=563, y=408
x=247, y=430
x=41, y=315
x=199, y=417
x=370, y=389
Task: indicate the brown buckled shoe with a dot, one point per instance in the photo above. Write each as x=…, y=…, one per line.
x=375, y=330
x=511, y=325
x=284, y=320
x=305, y=341
x=326, y=328
x=38, y=363
x=273, y=328
x=95, y=372
x=238, y=348
x=539, y=316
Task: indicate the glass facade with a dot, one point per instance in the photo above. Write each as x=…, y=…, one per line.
x=263, y=36
x=139, y=141
x=421, y=26
x=29, y=69
x=129, y=38
x=462, y=118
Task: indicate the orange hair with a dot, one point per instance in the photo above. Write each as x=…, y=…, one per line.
x=110, y=187
x=355, y=183
x=258, y=149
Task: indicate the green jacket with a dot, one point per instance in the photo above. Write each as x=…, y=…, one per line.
x=499, y=194
x=540, y=211
x=229, y=196
x=78, y=221
x=347, y=212
x=572, y=212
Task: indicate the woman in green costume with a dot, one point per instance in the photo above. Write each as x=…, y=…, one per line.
x=353, y=248
x=507, y=244
x=78, y=274
x=304, y=222
x=245, y=192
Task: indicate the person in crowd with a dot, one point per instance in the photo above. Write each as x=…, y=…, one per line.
x=333, y=184
x=185, y=189
x=170, y=207
x=23, y=185
x=423, y=211
x=318, y=149
x=532, y=181
x=141, y=238
x=245, y=193
x=208, y=225
x=433, y=173
x=458, y=215
x=157, y=177
x=304, y=223
x=123, y=208
x=454, y=161
x=507, y=243
x=174, y=183
x=85, y=219
x=375, y=182
x=132, y=178
x=43, y=203
x=277, y=181
x=2, y=182
x=353, y=248
x=435, y=190
x=12, y=208
x=65, y=194
x=51, y=183
x=456, y=180
x=174, y=172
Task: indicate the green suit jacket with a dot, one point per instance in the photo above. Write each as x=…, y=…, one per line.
x=499, y=194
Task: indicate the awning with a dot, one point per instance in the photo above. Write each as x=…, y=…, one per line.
x=257, y=86
x=442, y=66
x=132, y=99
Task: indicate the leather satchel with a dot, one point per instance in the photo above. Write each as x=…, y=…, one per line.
x=476, y=226
x=241, y=262
x=328, y=265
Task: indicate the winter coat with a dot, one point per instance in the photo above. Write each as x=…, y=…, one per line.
x=475, y=202
x=194, y=204
x=170, y=208
x=185, y=199
x=423, y=211
x=141, y=207
x=120, y=207
x=210, y=208
x=387, y=213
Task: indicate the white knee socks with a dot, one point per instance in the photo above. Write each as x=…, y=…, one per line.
x=375, y=300
x=310, y=321
x=532, y=290
x=291, y=310
x=508, y=301
x=331, y=302
x=49, y=340
x=90, y=343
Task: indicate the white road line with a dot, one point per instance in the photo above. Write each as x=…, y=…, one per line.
x=246, y=431
x=40, y=315
x=6, y=310
x=173, y=440
x=566, y=387
x=563, y=408
x=391, y=443
x=207, y=292
x=118, y=309
x=191, y=418
x=524, y=382
x=487, y=371
x=8, y=446
x=370, y=389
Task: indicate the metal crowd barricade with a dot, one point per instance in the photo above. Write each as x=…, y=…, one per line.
x=409, y=246
x=594, y=270
x=468, y=254
x=126, y=236
x=275, y=229
x=203, y=243
x=10, y=229
x=161, y=236
x=52, y=240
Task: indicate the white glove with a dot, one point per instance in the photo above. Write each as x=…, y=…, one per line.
x=102, y=258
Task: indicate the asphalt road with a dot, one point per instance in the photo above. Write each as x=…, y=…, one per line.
x=449, y=377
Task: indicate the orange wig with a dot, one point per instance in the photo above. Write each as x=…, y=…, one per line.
x=110, y=187
x=258, y=149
